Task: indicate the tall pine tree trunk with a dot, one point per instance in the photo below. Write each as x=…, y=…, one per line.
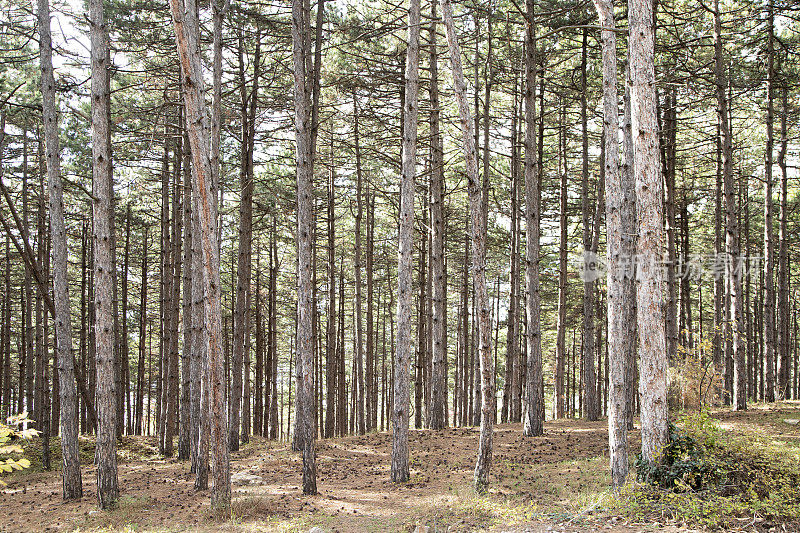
x=534, y=414
x=371, y=359
x=734, y=273
x=769, y=245
x=512, y=327
x=102, y=210
x=646, y=169
x=71, y=469
x=124, y=344
x=784, y=345
x=359, y=351
x=671, y=311
x=187, y=440
x=140, y=367
x=330, y=348
x=628, y=228
x=619, y=253
x=402, y=359
x=305, y=312
x=590, y=404
x=438, y=414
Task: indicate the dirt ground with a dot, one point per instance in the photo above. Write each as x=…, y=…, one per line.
x=550, y=483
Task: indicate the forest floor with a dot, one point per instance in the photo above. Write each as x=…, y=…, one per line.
x=557, y=482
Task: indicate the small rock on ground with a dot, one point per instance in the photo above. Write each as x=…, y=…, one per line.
x=244, y=478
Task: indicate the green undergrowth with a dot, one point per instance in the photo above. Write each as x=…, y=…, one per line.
x=711, y=478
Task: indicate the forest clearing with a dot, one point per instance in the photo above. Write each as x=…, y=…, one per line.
x=556, y=482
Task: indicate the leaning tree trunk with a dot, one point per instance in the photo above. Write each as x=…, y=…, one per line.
x=478, y=230
x=102, y=210
x=187, y=36
x=534, y=414
x=650, y=298
x=404, y=262
x=71, y=469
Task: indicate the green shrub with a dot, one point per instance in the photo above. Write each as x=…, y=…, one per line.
x=708, y=478
x=687, y=459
